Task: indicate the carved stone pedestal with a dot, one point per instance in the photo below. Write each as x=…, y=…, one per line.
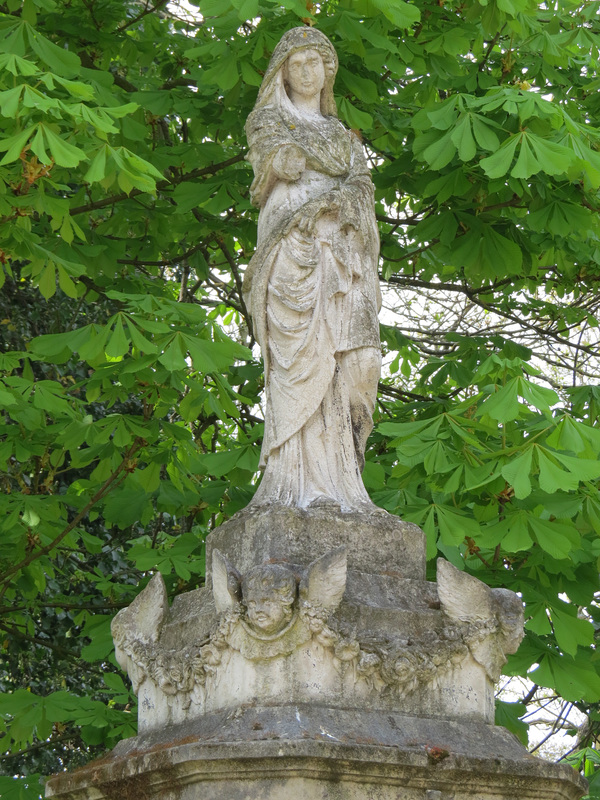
x=318, y=663
x=311, y=753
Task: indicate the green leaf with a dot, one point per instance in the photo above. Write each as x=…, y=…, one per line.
x=76, y=88
x=47, y=280
x=143, y=344
x=508, y=715
x=484, y=134
x=363, y=88
x=249, y=74
x=583, y=468
x=518, y=473
x=503, y=405
x=555, y=158
x=218, y=464
x=514, y=532
x=566, y=436
x=209, y=356
x=574, y=681
x=17, y=65
x=356, y=119
x=97, y=628
x=453, y=183
x=225, y=75
x=9, y=101
x=23, y=788
x=497, y=165
x=571, y=632
x=399, y=13
x=14, y=145
x=454, y=525
x=539, y=622
x=444, y=116
x=97, y=169
x=552, y=477
x=462, y=138
x=440, y=152
x=94, y=346
x=538, y=396
x=57, y=58
x=527, y=164
x=125, y=506
x=373, y=475
x=248, y=10
x=118, y=344
x=173, y=357
x=65, y=154
x=499, y=250
x=558, y=539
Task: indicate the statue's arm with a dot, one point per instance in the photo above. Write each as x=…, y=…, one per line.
x=289, y=162
x=359, y=175
x=273, y=154
x=353, y=201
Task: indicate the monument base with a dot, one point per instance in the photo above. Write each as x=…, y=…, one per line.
x=318, y=664
x=312, y=753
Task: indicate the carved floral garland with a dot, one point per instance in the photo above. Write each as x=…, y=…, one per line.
x=385, y=665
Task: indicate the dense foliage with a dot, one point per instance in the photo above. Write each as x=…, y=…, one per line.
x=130, y=384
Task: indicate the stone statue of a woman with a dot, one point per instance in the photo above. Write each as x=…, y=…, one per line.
x=312, y=286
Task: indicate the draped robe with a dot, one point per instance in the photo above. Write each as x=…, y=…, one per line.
x=314, y=300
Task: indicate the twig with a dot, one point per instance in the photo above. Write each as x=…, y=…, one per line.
x=488, y=52
x=56, y=648
x=238, y=283
x=140, y=16
x=196, y=173
x=530, y=694
x=472, y=295
x=104, y=489
x=39, y=745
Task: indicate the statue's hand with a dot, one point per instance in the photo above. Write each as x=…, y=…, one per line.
x=289, y=163
x=327, y=204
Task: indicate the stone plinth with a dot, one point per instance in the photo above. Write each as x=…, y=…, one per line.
x=362, y=627
x=305, y=753
x=377, y=543
x=318, y=663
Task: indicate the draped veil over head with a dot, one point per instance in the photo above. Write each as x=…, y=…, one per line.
x=290, y=43
x=312, y=289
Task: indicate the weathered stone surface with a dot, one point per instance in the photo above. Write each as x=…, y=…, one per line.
x=377, y=543
x=312, y=286
x=304, y=753
x=280, y=633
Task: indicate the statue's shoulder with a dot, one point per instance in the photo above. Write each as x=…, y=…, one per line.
x=269, y=115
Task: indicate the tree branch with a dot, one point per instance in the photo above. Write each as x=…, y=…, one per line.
x=488, y=52
x=190, y=176
x=170, y=262
x=140, y=16
x=104, y=489
x=65, y=606
x=472, y=295
x=10, y=629
x=39, y=745
x=238, y=283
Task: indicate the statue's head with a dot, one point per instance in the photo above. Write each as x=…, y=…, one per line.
x=269, y=593
x=300, y=41
x=304, y=73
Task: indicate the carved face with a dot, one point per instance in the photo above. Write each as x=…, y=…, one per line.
x=305, y=73
x=269, y=593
